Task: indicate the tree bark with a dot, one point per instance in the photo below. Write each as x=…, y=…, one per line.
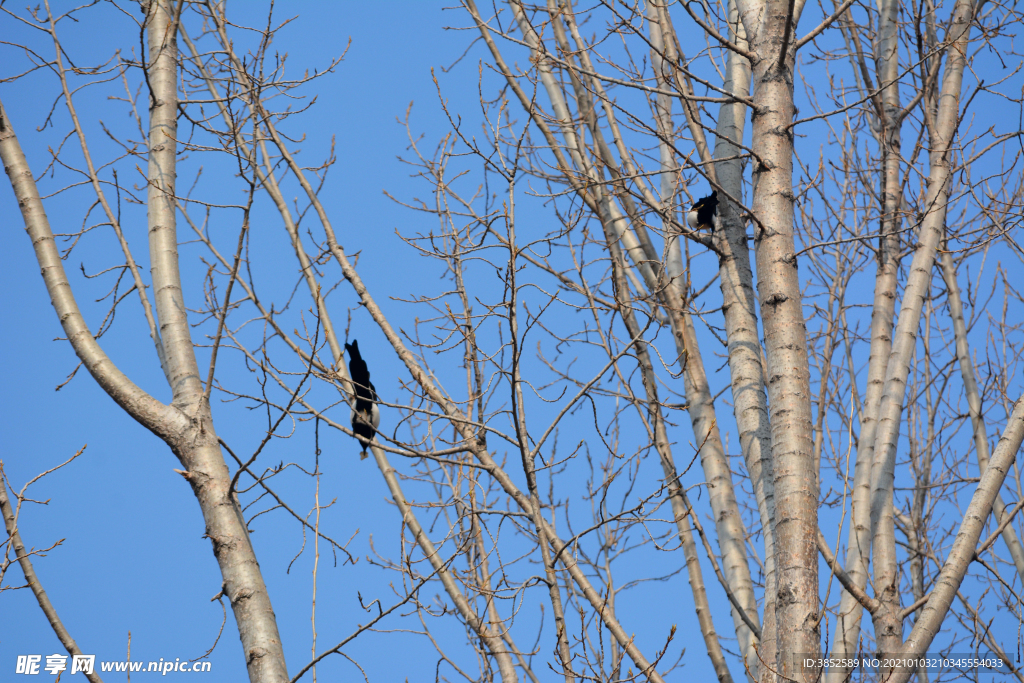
x=186, y=425
x=736, y=278
x=770, y=32
x=888, y=622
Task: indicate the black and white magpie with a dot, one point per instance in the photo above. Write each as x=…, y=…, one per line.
x=702, y=214
x=365, y=414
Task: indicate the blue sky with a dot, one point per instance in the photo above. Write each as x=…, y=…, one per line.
x=133, y=557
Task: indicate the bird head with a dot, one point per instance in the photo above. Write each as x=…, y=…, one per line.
x=710, y=203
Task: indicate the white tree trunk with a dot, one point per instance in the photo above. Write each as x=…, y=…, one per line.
x=186, y=425
x=888, y=622
x=770, y=27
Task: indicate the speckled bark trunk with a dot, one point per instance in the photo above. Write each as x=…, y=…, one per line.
x=887, y=620
x=186, y=425
x=198, y=449
x=770, y=32
x=888, y=623
x=703, y=419
x=904, y=340
x=750, y=404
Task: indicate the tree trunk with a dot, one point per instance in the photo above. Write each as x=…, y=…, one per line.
x=788, y=372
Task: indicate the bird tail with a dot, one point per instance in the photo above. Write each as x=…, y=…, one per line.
x=363, y=455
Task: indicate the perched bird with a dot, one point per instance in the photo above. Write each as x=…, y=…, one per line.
x=365, y=414
x=703, y=212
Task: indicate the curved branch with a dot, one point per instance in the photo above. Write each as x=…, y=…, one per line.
x=160, y=419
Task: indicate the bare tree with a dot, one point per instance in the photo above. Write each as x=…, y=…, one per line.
x=582, y=304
